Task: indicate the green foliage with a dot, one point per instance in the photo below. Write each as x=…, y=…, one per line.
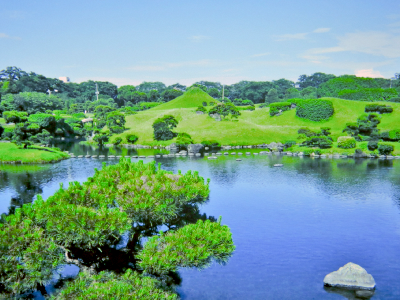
x=79, y=115
x=368, y=94
x=332, y=87
x=314, y=80
x=225, y=109
x=385, y=148
x=292, y=92
x=1, y=131
x=101, y=111
x=101, y=138
x=183, y=139
x=346, y=142
x=31, y=102
x=200, y=86
x=108, y=285
x=201, y=109
x=115, y=122
x=194, y=245
x=163, y=128
x=84, y=223
x=241, y=102
x=45, y=121
x=117, y=141
x=276, y=108
x=211, y=144
x=392, y=135
x=322, y=142
x=379, y=108
x=131, y=138
x=315, y=109
x=15, y=116
x=394, y=99
x=272, y=96
x=372, y=145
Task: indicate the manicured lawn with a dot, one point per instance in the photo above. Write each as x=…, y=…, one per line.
x=252, y=127
x=10, y=152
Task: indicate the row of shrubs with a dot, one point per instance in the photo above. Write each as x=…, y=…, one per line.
x=379, y=108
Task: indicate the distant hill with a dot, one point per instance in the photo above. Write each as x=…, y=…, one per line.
x=194, y=97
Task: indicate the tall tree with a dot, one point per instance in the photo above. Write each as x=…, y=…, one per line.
x=314, y=80
x=272, y=96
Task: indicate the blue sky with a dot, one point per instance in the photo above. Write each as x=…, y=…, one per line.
x=128, y=42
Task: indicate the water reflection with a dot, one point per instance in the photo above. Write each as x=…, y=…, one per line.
x=350, y=294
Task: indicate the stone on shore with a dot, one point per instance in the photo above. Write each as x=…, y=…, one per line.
x=350, y=276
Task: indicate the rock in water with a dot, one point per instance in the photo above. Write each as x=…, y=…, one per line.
x=350, y=276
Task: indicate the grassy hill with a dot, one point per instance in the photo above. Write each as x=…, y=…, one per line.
x=252, y=127
x=194, y=97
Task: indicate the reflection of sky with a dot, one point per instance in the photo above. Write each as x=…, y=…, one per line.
x=291, y=225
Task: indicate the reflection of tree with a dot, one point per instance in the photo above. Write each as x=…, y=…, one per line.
x=224, y=172
x=308, y=166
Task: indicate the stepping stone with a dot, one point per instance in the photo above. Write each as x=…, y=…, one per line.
x=88, y=156
x=198, y=154
x=248, y=153
x=255, y=153
x=278, y=165
x=240, y=153
x=134, y=156
x=191, y=154
x=150, y=156
x=238, y=159
x=127, y=156
x=226, y=153
x=94, y=156
x=142, y=156
x=80, y=156
x=111, y=156
x=218, y=153
x=233, y=153
x=158, y=156
x=102, y=156
x=119, y=156
x=212, y=157
x=165, y=155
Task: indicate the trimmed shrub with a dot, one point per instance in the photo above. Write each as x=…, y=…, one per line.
x=131, y=138
x=380, y=108
x=385, y=148
x=204, y=103
x=368, y=94
x=211, y=143
x=314, y=109
x=276, y=107
x=183, y=139
x=346, y=142
x=289, y=144
x=394, y=99
x=117, y=141
x=15, y=116
x=372, y=145
x=322, y=142
x=79, y=115
x=202, y=109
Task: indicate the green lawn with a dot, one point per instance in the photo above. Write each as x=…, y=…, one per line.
x=10, y=152
x=252, y=127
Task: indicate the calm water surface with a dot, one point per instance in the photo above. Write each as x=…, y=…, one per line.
x=291, y=225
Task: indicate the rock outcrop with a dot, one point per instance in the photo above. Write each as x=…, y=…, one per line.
x=350, y=276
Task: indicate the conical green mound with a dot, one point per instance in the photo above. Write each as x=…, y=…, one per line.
x=193, y=97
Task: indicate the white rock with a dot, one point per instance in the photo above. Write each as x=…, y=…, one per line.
x=350, y=276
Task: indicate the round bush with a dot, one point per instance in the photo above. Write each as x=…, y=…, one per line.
x=314, y=109
x=346, y=142
x=385, y=148
x=131, y=138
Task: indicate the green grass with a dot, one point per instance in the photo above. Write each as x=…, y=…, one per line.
x=4, y=125
x=10, y=152
x=192, y=98
x=252, y=127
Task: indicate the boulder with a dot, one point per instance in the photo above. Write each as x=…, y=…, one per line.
x=195, y=148
x=200, y=112
x=350, y=276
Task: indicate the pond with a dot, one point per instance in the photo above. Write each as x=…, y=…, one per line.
x=291, y=225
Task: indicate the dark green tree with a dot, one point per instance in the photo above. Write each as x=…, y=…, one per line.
x=171, y=94
x=84, y=224
x=272, y=96
x=163, y=128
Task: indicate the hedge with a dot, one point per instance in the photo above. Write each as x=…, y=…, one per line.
x=368, y=94
x=392, y=135
x=314, y=109
x=380, y=108
x=385, y=148
x=346, y=142
x=276, y=107
x=394, y=99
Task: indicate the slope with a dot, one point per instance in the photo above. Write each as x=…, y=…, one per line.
x=194, y=97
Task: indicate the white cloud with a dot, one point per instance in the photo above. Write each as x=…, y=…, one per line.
x=6, y=36
x=287, y=37
x=198, y=38
x=372, y=42
x=261, y=54
x=368, y=73
x=321, y=30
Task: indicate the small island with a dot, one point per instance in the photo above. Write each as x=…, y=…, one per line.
x=11, y=153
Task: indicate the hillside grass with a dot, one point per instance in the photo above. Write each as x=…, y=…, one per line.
x=192, y=98
x=252, y=127
x=10, y=152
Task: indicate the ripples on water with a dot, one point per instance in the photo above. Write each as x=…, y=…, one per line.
x=291, y=225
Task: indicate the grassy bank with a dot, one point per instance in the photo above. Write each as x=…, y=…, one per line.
x=10, y=152
x=252, y=127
